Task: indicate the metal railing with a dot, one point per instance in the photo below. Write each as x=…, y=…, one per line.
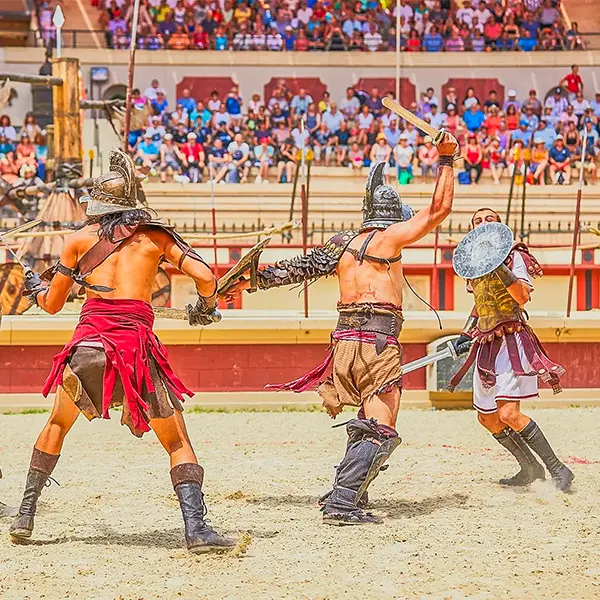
x=86, y=38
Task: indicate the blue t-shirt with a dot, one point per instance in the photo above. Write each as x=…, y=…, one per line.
x=527, y=44
x=148, y=148
x=517, y=134
x=160, y=107
x=4, y=148
x=289, y=40
x=475, y=120
x=548, y=135
x=433, y=42
x=233, y=105
x=532, y=28
x=506, y=44
x=559, y=155
x=221, y=42
x=188, y=103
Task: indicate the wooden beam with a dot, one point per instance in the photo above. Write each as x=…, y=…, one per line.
x=68, y=146
x=36, y=79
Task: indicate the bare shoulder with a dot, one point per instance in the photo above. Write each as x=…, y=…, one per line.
x=158, y=235
x=82, y=237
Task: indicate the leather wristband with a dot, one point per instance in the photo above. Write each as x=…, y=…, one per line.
x=446, y=161
x=470, y=325
x=505, y=275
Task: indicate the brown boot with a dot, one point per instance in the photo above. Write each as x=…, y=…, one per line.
x=41, y=467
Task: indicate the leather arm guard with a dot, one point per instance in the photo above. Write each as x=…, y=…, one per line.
x=33, y=285
x=505, y=275
x=321, y=261
x=204, y=312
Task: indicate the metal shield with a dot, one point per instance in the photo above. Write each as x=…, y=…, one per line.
x=482, y=250
x=248, y=261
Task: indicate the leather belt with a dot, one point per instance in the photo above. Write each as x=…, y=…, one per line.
x=380, y=323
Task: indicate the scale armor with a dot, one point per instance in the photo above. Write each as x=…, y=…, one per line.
x=382, y=205
x=321, y=261
x=493, y=301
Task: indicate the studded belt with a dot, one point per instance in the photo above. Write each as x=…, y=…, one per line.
x=385, y=323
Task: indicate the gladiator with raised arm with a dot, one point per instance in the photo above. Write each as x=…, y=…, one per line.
x=114, y=357
x=366, y=357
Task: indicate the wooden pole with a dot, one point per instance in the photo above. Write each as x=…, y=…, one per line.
x=576, y=225
x=510, y=193
x=304, y=199
x=214, y=221
x=68, y=147
x=128, y=108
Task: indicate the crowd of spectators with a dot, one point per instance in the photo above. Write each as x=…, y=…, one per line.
x=359, y=25
x=23, y=152
x=232, y=141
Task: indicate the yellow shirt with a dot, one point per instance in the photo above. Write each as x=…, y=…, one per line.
x=162, y=13
x=241, y=15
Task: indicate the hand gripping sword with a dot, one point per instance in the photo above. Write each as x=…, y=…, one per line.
x=435, y=134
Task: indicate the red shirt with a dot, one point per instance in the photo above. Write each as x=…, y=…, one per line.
x=200, y=39
x=573, y=82
x=192, y=150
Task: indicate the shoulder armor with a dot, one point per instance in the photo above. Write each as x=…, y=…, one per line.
x=321, y=261
x=533, y=266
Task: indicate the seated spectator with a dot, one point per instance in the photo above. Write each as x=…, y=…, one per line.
x=6, y=129
x=195, y=157
x=233, y=106
x=574, y=39
x=523, y=133
x=571, y=139
x=530, y=25
x=218, y=161
x=200, y=116
x=493, y=120
x=335, y=40
x=433, y=41
x=533, y=102
x=372, y=38
x=160, y=104
x=428, y=158
x=147, y=154
x=264, y=155
x=350, y=105
x=41, y=153
x=527, y=42
x=172, y=161
x=275, y=44
x=453, y=120
x=121, y=39
x=281, y=133
x=497, y=159
x=221, y=41
x=532, y=119
x=504, y=42
x=180, y=134
x=332, y=118
x=300, y=103
x=435, y=117
x=549, y=14
x=392, y=133
x=381, y=152
x=356, y=158
x=30, y=126
x=25, y=150
x=560, y=162
x=466, y=13
x=341, y=143
x=286, y=161
x=214, y=102
x=539, y=161
x=580, y=105
x=301, y=138
x=473, y=157
x=323, y=144
x=474, y=117
x=413, y=43
x=221, y=116
x=9, y=168
x=550, y=119
x=403, y=157
x=454, y=43
x=470, y=99
x=512, y=117
x=179, y=115
x=477, y=41
x=569, y=116
x=546, y=134
x=492, y=32
x=179, y=40
x=240, y=152
x=557, y=102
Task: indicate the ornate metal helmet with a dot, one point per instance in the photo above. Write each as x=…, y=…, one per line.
x=114, y=191
x=382, y=205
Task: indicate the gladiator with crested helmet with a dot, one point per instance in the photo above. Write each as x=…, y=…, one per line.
x=114, y=358
x=364, y=365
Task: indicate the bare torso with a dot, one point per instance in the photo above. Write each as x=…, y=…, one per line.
x=130, y=270
x=370, y=281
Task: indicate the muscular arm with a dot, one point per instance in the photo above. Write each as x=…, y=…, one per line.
x=53, y=298
x=206, y=282
x=426, y=220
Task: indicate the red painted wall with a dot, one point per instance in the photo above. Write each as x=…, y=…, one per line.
x=249, y=367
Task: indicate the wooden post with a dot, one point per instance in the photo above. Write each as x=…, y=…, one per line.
x=68, y=147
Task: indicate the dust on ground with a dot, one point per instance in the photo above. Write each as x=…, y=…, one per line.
x=113, y=530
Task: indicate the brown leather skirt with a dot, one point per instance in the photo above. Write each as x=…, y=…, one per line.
x=83, y=382
x=359, y=372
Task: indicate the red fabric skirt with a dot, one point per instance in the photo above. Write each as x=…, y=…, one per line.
x=124, y=328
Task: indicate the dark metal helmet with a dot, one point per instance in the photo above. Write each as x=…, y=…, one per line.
x=114, y=191
x=382, y=205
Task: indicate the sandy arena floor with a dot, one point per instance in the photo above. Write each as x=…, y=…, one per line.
x=112, y=530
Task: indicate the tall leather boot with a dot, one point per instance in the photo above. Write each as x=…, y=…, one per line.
x=5, y=510
x=530, y=467
x=199, y=536
x=41, y=467
x=561, y=474
x=369, y=446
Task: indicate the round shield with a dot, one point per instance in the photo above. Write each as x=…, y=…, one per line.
x=482, y=250
x=11, y=287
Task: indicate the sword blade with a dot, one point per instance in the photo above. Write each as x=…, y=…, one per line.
x=429, y=359
x=20, y=228
x=13, y=253
x=178, y=314
x=407, y=115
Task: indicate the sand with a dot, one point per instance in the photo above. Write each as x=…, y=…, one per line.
x=112, y=530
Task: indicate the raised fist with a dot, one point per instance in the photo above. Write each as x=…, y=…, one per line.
x=447, y=146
